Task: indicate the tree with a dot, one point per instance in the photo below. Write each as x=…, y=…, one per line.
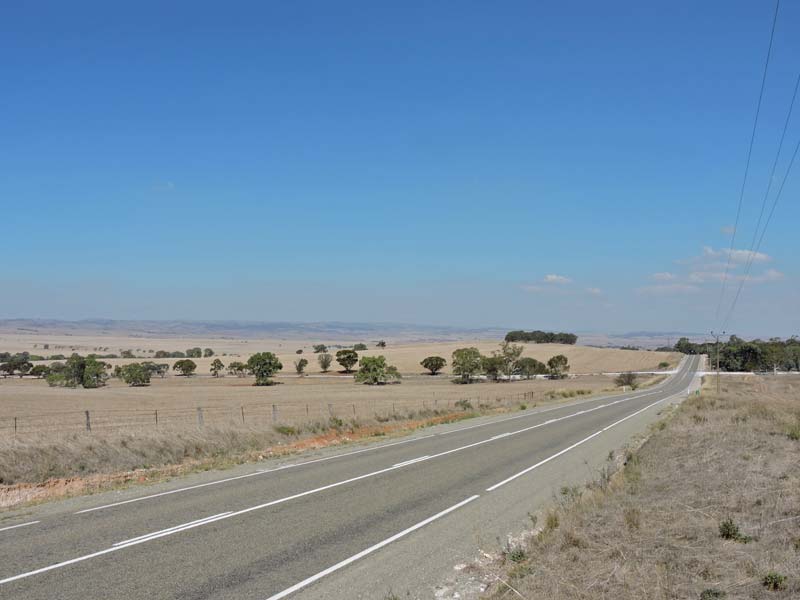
x=324, y=361
x=434, y=364
x=492, y=366
x=298, y=351
x=217, y=367
x=237, y=368
x=528, y=367
x=507, y=358
x=559, y=366
x=127, y=354
x=347, y=358
x=467, y=362
x=360, y=347
x=194, y=353
x=373, y=370
x=300, y=365
x=135, y=374
x=627, y=380
x=162, y=354
x=318, y=348
x=381, y=344
x=40, y=371
x=264, y=365
x=208, y=353
x=185, y=367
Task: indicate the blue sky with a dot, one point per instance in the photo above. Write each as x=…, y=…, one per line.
x=410, y=162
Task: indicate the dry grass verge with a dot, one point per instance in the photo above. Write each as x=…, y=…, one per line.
x=80, y=464
x=708, y=507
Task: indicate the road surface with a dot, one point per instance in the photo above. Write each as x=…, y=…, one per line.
x=355, y=523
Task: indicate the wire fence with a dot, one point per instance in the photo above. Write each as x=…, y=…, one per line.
x=248, y=415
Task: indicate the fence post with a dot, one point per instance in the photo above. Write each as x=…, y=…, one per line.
x=242, y=415
x=306, y=409
x=15, y=427
x=274, y=413
x=200, y=420
x=88, y=422
x=156, y=417
x=330, y=409
x=354, y=410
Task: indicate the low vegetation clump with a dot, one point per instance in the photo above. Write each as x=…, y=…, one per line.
x=541, y=337
x=704, y=509
x=627, y=379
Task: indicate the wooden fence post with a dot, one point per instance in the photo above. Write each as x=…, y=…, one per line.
x=200, y=420
x=242, y=415
x=88, y=422
x=156, y=417
x=274, y=413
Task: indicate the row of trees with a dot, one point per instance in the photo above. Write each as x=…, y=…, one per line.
x=541, y=337
x=505, y=363
x=360, y=347
x=737, y=354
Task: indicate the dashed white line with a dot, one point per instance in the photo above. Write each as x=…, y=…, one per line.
x=20, y=525
x=308, y=581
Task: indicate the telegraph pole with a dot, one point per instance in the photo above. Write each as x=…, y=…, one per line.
x=716, y=335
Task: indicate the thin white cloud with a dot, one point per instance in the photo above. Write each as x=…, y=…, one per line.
x=727, y=230
x=560, y=279
x=533, y=289
x=718, y=276
x=663, y=276
x=736, y=256
x=668, y=289
x=767, y=276
x=594, y=291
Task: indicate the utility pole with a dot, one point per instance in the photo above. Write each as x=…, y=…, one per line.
x=716, y=335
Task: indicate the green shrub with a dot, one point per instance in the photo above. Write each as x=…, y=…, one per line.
x=463, y=404
x=728, y=530
x=287, y=430
x=774, y=581
x=712, y=594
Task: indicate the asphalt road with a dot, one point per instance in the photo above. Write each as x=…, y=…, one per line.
x=349, y=524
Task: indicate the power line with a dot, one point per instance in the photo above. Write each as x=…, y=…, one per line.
x=753, y=248
x=749, y=156
x=766, y=224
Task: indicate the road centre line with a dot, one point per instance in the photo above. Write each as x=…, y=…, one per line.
x=227, y=515
x=308, y=581
x=343, y=455
x=20, y=525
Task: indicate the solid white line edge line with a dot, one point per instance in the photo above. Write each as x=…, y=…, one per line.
x=308, y=581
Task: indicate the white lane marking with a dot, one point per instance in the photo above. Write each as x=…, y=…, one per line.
x=20, y=525
x=259, y=472
x=317, y=460
x=228, y=515
x=573, y=446
x=412, y=461
x=308, y=581
x=169, y=529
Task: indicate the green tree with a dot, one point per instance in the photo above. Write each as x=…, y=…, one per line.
x=381, y=344
x=127, y=354
x=492, y=366
x=467, y=362
x=318, y=348
x=324, y=361
x=528, y=367
x=217, y=367
x=237, y=368
x=185, y=367
x=40, y=371
x=298, y=351
x=627, y=379
x=208, y=353
x=135, y=374
x=194, y=352
x=300, y=365
x=347, y=358
x=434, y=364
x=264, y=365
x=360, y=347
x=507, y=358
x=373, y=370
x=559, y=366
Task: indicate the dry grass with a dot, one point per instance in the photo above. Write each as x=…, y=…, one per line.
x=726, y=465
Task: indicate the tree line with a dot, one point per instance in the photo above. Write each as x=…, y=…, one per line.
x=541, y=337
x=737, y=354
x=503, y=364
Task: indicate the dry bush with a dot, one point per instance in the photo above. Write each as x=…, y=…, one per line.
x=724, y=467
